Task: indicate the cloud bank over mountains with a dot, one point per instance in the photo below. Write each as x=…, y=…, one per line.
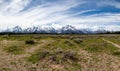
x=82, y=14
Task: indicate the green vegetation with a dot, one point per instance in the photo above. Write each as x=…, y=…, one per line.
x=30, y=42
x=59, y=52
x=78, y=41
x=38, y=56
x=117, y=53
x=102, y=47
x=57, y=56
x=114, y=39
x=5, y=69
x=14, y=49
x=93, y=49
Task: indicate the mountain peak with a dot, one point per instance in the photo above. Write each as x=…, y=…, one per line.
x=68, y=27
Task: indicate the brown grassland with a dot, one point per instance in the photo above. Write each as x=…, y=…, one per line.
x=39, y=52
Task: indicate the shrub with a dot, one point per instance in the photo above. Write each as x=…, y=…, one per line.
x=68, y=43
x=30, y=42
x=38, y=56
x=43, y=54
x=57, y=56
x=5, y=69
x=58, y=51
x=64, y=56
x=71, y=55
x=116, y=53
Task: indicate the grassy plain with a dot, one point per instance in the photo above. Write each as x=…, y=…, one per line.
x=59, y=52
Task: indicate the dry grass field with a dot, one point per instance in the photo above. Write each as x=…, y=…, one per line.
x=60, y=52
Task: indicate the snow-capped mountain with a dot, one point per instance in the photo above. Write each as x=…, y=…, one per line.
x=68, y=29
x=30, y=30
x=17, y=29
x=49, y=30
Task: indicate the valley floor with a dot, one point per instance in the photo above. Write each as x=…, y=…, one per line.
x=60, y=52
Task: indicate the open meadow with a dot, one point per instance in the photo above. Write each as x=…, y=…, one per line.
x=42, y=52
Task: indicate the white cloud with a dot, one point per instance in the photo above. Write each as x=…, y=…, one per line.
x=11, y=14
x=40, y=15
x=16, y=6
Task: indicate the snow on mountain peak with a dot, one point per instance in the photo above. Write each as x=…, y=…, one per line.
x=50, y=29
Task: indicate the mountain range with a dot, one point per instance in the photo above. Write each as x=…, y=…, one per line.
x=68, y=29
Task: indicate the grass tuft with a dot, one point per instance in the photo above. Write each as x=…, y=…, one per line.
x=117, y=53
x=30, y=42
x=57, y=56
x=14, y=50
x=69, y=43
x=38, y=56
x=93, y=49
x=78, y=41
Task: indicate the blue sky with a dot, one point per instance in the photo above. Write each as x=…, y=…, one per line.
x=83, y=14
